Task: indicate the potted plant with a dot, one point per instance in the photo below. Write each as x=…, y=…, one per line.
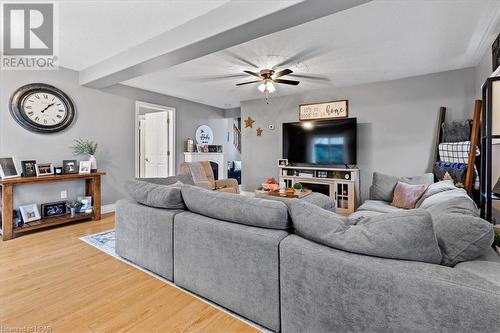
x=86, y=147
x=297, y=188
x=73, y=205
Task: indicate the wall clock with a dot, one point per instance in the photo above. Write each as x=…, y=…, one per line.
x=41, y=108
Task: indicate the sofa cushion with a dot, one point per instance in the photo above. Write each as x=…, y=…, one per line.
x=155, y=195
x=383, y=185
x=407, y=235
x=378, y=206
x=461, y=237
x=406, y=195
x=315, y=198
x=236, y=208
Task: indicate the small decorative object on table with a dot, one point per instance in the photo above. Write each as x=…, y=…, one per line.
x=30, y=213
x=86, y=147
x=58, y=171
x=17, y=219
x=44, y=169
x=85, y=204
x=70, y=166
x=53, y=209
x=270, y=185
x=8, y=168
x=29, y=168
x=73, y=205
x=297, y=187
x=85, y=167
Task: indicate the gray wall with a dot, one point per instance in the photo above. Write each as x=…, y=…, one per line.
x=396, y=123
x=104, y=116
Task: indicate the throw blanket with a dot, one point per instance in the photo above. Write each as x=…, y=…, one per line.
x=201, y=173
x=457, y=152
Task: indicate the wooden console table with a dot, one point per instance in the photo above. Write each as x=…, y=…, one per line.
x=92, y=188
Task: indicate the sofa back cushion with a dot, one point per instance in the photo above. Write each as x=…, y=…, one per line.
x=461, y=237
x=183, y=178
x=236, y=208
x=155, y=195
x=383, y=185
x=407, y=235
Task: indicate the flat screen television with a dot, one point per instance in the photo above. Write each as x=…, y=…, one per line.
x=331, y=142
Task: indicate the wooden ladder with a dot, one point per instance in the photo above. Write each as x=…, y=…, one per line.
x=474, y=137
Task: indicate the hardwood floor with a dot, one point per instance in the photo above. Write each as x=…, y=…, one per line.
x=54, y=281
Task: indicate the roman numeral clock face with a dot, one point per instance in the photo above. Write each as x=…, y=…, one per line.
x=42, y=108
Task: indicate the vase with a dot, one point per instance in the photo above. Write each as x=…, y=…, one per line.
x=93, y=163
x=72, y=211
x=297, y=192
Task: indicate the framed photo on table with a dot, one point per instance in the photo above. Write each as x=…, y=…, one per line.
x=28, y=168
x=44, y=169
x=8, y=168
x=85, y=167
x=70, y=166
x=30, y=213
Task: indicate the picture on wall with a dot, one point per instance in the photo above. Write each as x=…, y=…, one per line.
x=326, y=110
x=8, y=168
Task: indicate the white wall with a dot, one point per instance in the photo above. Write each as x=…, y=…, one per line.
x=104, y=116
x=396, y=123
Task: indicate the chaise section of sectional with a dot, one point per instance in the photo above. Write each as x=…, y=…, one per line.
x=144, y=236
x=233, y=265
x=328, y=290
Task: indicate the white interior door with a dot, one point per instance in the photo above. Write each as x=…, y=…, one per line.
x=156, y=145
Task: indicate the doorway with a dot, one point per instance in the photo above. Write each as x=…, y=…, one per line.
x=154, y=140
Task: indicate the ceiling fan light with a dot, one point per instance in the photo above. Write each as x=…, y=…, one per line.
x=270, y=86
x=262, y=87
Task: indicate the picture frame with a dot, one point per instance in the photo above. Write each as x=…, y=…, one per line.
x=58, y=171
x=44, y=169
x=85, y=167
x=214, y=148
x=70, y=166
x=53, y=209
x=8, y=168
x=282, y=162
x=325, y=110
x=28, y=168
x=85, y=204
x=30, y=213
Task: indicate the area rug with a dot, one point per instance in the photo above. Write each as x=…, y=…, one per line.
x=105, y=241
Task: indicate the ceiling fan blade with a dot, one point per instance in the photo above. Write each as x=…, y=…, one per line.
x=302, y=56
x=253, y=73
x=243, y=83
x=210, y=78
x=293, y=83
x=239, y=59
x=282, y=73
x=312, y=77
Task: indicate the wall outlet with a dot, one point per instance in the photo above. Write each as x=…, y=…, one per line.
x=64, y=194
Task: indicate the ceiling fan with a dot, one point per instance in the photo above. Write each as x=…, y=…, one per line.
x=269, y=78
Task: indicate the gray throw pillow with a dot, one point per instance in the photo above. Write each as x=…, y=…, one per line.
x=407, y=235
x=155, y=195
x=461, y=237
x=236, y=208
x=383, y=185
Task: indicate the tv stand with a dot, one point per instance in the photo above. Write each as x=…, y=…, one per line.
x=341, y=184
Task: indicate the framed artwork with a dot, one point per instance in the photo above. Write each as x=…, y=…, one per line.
x=53, y=209
x=8, y=168
x=30, y=213
x=85, y=167
x=85, y=204
x=58, y=171
x=323, y=111
x=28, y=168
x=44, y=169
x=70, y=166
x=282, y=162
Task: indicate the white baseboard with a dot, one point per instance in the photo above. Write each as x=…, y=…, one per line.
x=108, y=208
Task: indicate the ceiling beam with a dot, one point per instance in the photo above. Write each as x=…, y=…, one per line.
x=231, y=24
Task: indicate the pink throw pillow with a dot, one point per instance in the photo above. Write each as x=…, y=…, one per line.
x=406, y=195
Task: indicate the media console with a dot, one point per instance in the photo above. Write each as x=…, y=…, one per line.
x=341, y=184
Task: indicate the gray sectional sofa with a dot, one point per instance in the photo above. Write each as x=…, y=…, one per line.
x=295, y=267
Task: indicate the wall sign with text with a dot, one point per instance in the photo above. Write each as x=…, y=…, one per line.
x=327, y=110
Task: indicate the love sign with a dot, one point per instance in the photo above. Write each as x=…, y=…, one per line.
x=327, y=110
